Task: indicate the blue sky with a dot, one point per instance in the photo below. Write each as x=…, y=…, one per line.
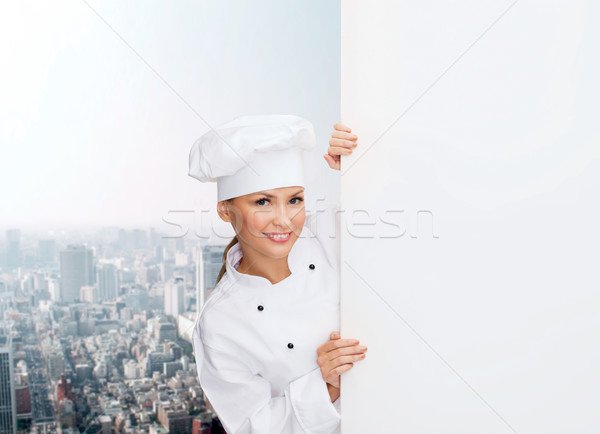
x=92, y=135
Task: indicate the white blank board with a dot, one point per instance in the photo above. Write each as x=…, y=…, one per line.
x=471, y=216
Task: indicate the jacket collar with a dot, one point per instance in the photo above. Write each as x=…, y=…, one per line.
x=295, y=260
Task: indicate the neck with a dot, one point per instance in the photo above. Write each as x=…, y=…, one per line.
x=257, y=264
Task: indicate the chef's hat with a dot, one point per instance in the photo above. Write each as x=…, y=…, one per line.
x=253, y=153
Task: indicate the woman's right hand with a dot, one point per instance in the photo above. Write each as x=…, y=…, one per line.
x=341, y=143
x=337, y=355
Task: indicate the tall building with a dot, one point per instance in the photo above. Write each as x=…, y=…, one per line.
x=159, y=253
x=64, y=389
x=202, y=423
x=56, y=364
x=174, y=298
x=175, y=419
x=108, y=282
x=199, y=279
x=8, y=408
x=13, y=251
x=23, y=398
x=46, y=251
x=76, y=270
x=88, y=294
x=39, y=281
x=179, y=245
x=208, y=265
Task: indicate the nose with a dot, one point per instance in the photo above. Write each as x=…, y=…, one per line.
x=282, y=219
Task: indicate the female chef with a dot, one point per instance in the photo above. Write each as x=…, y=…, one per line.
x=265, y=358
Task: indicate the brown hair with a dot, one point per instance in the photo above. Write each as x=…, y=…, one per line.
x=229, y=246
x=223, y=268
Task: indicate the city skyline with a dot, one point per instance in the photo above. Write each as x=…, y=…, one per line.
x=116, y=311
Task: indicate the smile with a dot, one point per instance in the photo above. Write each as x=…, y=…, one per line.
x=278, y=237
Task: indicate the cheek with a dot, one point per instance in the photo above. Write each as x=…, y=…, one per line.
x=257, y=221
x=299, y=220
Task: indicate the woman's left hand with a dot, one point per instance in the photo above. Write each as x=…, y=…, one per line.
x=341, y=143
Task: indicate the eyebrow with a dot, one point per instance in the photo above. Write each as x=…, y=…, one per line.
x=271, y=195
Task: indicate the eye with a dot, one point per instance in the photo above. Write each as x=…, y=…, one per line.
x=299, y=199
x=259, y=201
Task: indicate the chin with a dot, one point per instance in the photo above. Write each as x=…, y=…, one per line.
x=275, y=250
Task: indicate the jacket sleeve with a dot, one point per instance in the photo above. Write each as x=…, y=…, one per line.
x=243, y=401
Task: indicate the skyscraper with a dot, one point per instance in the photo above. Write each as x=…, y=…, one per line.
x=108, y=282
x=199, y=280
x=76, y=270
x=13, y=251
x=174, y=298
x=46, y=250
x=8, y=408
x=208, y=265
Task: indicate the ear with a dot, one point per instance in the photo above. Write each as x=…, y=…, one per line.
x=223, y=211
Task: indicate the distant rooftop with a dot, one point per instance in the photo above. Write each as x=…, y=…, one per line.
x=4, y=340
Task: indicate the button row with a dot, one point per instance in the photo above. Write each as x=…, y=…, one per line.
x=261, y=307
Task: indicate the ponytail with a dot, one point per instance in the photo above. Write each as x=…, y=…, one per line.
x=223, y=267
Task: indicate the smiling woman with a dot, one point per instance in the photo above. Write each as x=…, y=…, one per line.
x=267, y=225
x=265, y=357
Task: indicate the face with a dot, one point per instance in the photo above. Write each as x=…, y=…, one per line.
x=268, y=221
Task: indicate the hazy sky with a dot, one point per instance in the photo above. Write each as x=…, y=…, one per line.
x=91, y=136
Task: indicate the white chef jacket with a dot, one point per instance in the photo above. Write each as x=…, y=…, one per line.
x=256, y=343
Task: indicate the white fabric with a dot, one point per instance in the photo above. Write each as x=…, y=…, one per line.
x=253, y=153
x=255, y=383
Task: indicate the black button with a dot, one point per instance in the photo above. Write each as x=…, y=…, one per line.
x=311, y=266
x=260, y=307
x=290, y=345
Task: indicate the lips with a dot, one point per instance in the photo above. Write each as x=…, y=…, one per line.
x=279, y=237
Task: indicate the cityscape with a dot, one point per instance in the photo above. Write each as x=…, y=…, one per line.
x=95, y=332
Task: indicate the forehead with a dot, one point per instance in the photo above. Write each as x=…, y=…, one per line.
x=283, y=191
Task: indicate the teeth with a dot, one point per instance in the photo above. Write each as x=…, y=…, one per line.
x=278, y=236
